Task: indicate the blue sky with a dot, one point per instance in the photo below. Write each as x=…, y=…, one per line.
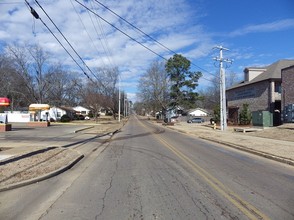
x=257, y=33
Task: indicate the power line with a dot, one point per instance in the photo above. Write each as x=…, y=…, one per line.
x=150, y=37
x=67, y=40
x=135, y=39
x=103, y=42
x=121, y=30
x=85, y=28
x=36, y=16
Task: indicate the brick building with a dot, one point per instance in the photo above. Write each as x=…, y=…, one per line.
x=288, y=86
x=261, y=90
x=288, y=94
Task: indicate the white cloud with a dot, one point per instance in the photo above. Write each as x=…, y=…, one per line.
x=165, y=20
x=267, y=27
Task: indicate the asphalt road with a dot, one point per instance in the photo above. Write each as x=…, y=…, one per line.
x=54, y=135
x=146, y=172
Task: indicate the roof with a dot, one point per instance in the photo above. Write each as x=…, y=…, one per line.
x=289, y=67
x=35, y=107
x=199, y=109
x=80, y=107
x=65, y=108
x=272, y=71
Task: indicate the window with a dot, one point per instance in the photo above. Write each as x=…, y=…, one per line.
x=278, y=87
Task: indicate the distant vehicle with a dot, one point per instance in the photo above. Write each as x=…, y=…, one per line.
x=195, y=120
x=87, y=118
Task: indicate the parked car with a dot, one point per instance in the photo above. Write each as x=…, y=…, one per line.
x=195, y=120
x=81, y=117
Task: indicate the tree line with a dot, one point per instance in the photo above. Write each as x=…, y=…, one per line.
x=171, y=84
x=28, y=75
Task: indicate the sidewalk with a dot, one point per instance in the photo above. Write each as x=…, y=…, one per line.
x=278, y=150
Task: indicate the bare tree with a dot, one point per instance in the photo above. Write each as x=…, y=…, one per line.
x=21, y=64
x=103, y=93
x=65, y=88
x=154, y=87
x=12, y=85
x=38, y=72
x=211, y=94
x=30, y=63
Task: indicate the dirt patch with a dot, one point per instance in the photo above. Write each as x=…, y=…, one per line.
x=36, y=165
x=4, y=148
x=276, y=133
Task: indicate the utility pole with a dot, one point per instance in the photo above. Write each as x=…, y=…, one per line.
x=119, y=96
x=223, y=107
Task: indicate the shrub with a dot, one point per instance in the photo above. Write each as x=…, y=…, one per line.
x=65, y=118
x=216, y=113
x=245, y=115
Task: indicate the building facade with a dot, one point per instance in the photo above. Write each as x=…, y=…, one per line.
x=288, y=94
x=288, y=86
x=261, y=90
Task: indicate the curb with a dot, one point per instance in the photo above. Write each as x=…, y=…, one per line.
x=48, y=175
x=22, y=156
x=252, y=151
x=82, y=129
x=242, y=148
x=44, y=177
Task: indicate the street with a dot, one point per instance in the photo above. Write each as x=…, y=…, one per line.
x=149, y=172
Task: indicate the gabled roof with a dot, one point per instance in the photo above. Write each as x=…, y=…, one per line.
x=273, y=71
x=81, y=107
x=200, y=109
x=65, y=108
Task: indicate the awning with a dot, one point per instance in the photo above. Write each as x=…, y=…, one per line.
x=4, y=101
x=36, y=107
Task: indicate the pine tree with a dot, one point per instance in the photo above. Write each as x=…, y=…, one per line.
x=245, y=115
x=183, y=82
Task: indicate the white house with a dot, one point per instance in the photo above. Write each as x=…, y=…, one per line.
x=55, y=113
x=198, y=112
x=82, y=110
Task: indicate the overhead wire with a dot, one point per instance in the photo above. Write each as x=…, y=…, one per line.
x=94, y=45
x=103, y=38
x=35, y=14
x=90, y=10
x=67, y=40
x=118, y=29
x=121, y=30
x=147, y=35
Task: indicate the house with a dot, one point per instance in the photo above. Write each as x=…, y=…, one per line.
x=55, y=113
x=82, y=110
x=261, y=90
x=198, y=112
x=288, y=94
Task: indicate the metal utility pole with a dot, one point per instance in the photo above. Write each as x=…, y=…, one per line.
x=223, y=108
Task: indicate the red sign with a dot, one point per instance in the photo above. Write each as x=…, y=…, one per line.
x=4, y=101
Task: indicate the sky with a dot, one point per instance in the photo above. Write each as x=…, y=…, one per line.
x=256, y=32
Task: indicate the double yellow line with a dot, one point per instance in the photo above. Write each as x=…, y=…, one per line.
x=250, y=211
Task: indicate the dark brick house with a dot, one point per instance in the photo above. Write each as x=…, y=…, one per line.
x=288, y=94
x=288, y=86
x=261, y=90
